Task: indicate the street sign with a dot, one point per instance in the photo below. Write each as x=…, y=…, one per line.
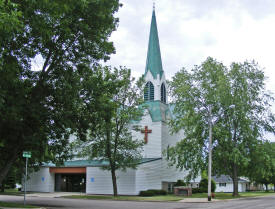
x=27, y=154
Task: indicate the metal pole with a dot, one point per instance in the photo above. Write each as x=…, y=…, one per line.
x=210, y=154
x=25, y=181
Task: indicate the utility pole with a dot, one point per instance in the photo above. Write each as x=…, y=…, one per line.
x=26, y=172
x=210, y=153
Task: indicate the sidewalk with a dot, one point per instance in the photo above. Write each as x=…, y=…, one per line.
x=198, y=200
x=54, y=194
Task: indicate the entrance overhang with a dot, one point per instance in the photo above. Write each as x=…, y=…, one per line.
x=68, y=170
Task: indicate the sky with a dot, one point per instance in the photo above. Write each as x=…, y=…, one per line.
x=192, y=30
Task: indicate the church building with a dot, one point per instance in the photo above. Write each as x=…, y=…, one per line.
x=153, y=171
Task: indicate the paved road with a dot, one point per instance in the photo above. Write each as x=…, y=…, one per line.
x=267, y=202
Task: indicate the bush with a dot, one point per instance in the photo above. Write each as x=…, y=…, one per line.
x=180, y=183
x=152, y=192
x=146, y=193
x=204, y=185
x=158, y=191
x=196, y=190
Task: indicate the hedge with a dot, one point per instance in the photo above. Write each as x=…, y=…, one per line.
x=152, y=192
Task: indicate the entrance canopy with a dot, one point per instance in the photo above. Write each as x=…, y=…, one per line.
x=68, y=170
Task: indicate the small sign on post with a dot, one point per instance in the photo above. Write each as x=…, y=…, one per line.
x=26, y=155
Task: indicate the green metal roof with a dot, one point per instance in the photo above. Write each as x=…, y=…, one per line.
x=153, y=62
x=92, y=163
x=158, y=110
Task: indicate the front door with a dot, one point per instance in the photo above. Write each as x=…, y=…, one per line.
x=70, y=182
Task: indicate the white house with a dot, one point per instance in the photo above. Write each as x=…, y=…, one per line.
x=152, y=172
x=225, y=184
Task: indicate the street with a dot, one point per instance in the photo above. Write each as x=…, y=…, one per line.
x=267, y=202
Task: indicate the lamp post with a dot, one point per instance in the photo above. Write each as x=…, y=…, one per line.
x=210, y=154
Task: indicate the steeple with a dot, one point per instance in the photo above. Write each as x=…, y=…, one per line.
x=153, y=62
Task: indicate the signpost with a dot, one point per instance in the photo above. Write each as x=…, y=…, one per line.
x=26, y=155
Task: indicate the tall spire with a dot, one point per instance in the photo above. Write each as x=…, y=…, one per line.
x=153, y=62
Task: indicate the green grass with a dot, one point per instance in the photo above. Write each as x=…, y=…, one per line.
x=127, y=198
x=15, y=205
x=224, y=196
x=12, y=192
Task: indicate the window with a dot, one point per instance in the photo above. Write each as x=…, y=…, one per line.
x=163, y=93
x=149, y=92
x=170, y=187
x=222, y=184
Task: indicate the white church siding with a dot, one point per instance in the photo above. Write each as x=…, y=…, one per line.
x=148, y=176
x=171, y=173
x=153, y=148
x=40, y=181
x=99, y=181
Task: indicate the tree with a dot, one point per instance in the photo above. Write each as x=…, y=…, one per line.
x=204, y=185
x=39, y=104
x=261, y=168
x=118, y=106
x=240, y=114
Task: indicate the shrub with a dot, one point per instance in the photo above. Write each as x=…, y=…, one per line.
x=204, y=185
x=146, y=193
x=158, y=191
x=196, y=190
x=152, y=192
x=180, y=183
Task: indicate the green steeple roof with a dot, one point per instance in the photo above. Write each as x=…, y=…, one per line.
x=153, y=62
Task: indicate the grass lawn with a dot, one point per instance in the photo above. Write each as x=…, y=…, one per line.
x=12, y=192
x=224, y=196
x=129, y=198
x=15, y=205
x=221, y=196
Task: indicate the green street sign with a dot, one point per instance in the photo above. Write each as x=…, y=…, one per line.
x=27, y=154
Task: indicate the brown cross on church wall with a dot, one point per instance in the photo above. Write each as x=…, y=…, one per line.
x=146, y=131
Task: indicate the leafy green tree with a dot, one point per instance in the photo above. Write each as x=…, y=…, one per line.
x=180, y=183
x=261, y=168
x=203, y=186
x=118, y=106
x=39, y=104
x=240, y=112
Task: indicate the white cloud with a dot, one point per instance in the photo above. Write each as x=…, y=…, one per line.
x=191, y=30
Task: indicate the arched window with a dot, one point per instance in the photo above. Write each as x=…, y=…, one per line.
x=163, y=93
x=149, y=92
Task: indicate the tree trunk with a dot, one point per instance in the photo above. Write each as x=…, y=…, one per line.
x=109, y=155
x=266, y=187
x=3, y=187
x=4, y=171
x=113, y=171
x=235, y=181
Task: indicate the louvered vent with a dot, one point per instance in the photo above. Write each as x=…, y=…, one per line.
x=149, y=92
x=163, y=93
